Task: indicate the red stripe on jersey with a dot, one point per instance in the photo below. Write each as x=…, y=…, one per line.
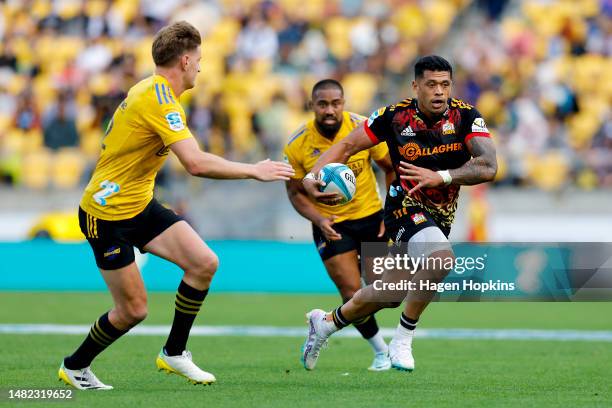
x=476, y=134
x=370, y=134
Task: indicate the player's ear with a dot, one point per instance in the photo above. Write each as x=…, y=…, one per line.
x=185, y=61
x=414, y=85
x=310, y=104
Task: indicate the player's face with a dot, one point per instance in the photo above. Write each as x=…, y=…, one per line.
x=433, y=90
x=192, y=66
x=328, y=105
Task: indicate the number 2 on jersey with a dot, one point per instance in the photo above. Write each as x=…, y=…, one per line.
x=108, y=188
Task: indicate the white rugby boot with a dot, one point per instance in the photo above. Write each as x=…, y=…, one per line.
x=184, y=366
x=381, y=362
x=319, y=330
x=400, y=353
x=83, y=379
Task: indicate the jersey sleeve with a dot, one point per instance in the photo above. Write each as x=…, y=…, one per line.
x=168, y=121
x=378, y=125
x=290, y=158
x=474, y=125
x=357, y=119
x=379, y=151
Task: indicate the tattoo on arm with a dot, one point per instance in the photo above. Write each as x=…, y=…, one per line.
x=481, y=168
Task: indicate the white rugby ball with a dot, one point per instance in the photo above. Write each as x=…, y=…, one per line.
x=339, y=178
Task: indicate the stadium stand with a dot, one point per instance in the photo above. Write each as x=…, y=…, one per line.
x=545, y=91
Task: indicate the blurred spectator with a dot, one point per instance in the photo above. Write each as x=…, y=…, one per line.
x=538, y=70
x=27, y=116
x=60, y=127
x=95, y=57
x=268, y=121
x=7, y=56
x=257, y=40
x=493, y=8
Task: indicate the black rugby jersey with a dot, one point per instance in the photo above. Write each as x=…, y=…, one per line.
x=435, y=145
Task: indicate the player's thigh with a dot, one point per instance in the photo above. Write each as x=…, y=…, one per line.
x=344, y=270
x=340, y=257
x=181, y=245
x=430, y=242
x=114, y=254
x=109, y=241
x=366, y=231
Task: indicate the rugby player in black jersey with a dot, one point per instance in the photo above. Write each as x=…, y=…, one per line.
x=436, y=144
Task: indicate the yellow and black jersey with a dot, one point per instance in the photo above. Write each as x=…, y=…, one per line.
x=435, y=145
x=307, y=144
x=134, y=148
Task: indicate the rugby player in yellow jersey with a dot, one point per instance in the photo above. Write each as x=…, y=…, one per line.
x=118, y=211
x=339, y=230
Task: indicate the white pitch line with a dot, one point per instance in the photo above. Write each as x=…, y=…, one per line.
x=272, y=331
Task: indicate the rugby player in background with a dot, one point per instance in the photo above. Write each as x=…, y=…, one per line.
x=118, y=212
x=436, y=144
x=339, y=230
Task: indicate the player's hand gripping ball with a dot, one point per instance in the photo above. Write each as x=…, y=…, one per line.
x=338, y=178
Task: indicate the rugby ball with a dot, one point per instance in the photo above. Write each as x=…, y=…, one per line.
x=338, y=178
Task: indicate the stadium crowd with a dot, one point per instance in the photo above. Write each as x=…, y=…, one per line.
x=539, y=71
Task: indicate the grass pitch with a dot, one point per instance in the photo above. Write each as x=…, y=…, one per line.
x=265, y=371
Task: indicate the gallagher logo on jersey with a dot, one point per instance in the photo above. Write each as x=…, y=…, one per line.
x=175, y=121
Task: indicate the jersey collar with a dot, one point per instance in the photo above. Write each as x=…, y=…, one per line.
x=426, y=118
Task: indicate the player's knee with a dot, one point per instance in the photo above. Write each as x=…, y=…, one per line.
x=205, y=267
x=137, y=315
x=134, y=312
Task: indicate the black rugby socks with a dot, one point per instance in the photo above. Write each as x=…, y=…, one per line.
x=101, y=335
x=187, y=305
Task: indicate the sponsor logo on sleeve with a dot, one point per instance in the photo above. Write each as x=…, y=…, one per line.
x=479, y=126
x=375, y=115
x=174, y=121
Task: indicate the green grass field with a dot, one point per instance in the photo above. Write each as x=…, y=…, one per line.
x=265, y=371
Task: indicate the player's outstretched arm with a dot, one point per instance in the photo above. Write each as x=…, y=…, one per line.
x=202, y=164
x=355, y=142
